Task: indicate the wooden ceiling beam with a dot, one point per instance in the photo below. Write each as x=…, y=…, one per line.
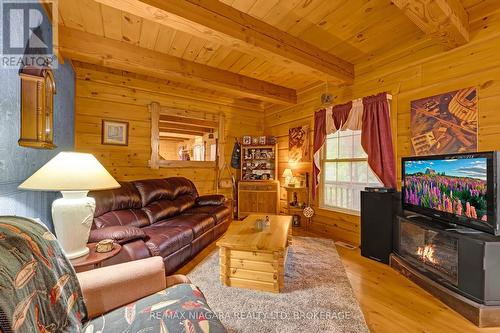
x=446, y=21
x=167, y=131
x=190, y=121
x=101, y=74
x=169, y=126
x=223, y=24
x=172, y=138
x=86, y=47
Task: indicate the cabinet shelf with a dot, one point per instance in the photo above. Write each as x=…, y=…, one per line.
x=259, y=147
x=257, y=173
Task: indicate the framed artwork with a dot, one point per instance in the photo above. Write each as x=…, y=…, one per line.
x=114, y=133
x=445, y=123
x=298, y=144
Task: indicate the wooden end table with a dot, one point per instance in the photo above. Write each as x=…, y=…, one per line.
x=94, y=258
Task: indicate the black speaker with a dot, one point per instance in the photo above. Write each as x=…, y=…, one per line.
x=378, y=213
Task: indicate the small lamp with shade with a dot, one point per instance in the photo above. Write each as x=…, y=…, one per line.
x=74, y=174
x=288, y=174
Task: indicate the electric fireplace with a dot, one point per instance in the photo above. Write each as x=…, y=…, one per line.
x=430, y=250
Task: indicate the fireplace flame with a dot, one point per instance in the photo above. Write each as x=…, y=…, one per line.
x=427, y=253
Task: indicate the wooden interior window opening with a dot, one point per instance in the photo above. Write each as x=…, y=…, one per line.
x=185, y=138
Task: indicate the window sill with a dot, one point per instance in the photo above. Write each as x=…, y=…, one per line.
x=341, y=210
x=185, y=164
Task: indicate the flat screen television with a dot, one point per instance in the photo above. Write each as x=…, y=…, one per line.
x=457, y=188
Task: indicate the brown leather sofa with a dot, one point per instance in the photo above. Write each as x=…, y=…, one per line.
x=159, y=217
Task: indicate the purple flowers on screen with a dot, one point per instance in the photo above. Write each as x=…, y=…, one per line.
x=461, y=196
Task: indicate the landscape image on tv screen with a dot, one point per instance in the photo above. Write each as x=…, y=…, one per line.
x=456, y=186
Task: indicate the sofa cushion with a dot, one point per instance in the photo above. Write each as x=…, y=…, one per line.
x=200, y=223
x=219, y=213
x=153, y=190
x=185, y=201
x=180, y=308
x=120, y=234
x=125, y=197
x=210, y=200
x=182, y=186
x=164, y=240
x=160, y=189
x=160, y=210
x=128, y=217
x=163, y=209
x=118, y=207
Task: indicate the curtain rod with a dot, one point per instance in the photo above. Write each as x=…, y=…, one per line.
x=389, y=97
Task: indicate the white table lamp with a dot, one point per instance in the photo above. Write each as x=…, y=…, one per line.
x=74, y=174
x=288, y=174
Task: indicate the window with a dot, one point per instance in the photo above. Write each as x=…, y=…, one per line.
x=198, y=152
x=213, y=152
x=345, y=172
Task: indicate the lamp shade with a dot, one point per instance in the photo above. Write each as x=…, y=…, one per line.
x=287, y=173
x=69, y=171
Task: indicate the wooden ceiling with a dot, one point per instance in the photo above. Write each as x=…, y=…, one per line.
x=262, y=50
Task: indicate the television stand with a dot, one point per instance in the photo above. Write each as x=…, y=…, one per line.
x=481, y=315
x=464, y=263
x=418, y=216
x=465, y=231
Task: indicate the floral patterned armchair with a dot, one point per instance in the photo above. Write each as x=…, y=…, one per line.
x=40, y=291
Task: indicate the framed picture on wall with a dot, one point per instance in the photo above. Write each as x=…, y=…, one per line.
x=445, y=123
x=114, y=133
x=298, y=144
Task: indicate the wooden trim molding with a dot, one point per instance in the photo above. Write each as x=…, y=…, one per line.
x=186, y=164
x=154, y=109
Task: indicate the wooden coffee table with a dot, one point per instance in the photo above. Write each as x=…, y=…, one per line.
x=255, y=259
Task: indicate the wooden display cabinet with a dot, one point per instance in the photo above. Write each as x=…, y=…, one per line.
x=258, y=189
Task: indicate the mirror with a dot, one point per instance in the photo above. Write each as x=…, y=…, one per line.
x=37, y=108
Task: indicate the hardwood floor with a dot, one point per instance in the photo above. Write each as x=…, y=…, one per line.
x=390, y=302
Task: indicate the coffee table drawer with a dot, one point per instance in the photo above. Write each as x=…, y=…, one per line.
x=253, y=270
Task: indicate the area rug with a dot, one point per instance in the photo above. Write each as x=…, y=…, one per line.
x=317, y=295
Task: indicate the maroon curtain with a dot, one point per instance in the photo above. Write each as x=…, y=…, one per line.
x=376, y=138
x=319, y=140
x=340, y=113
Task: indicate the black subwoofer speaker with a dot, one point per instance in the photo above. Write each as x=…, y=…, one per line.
x=378, y=213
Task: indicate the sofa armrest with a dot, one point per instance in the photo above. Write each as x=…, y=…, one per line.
x=210, y=200
x=120, y=234
x=105, y=289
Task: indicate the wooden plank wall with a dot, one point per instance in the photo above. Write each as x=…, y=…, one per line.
x=117, y=96
x=408, y=73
